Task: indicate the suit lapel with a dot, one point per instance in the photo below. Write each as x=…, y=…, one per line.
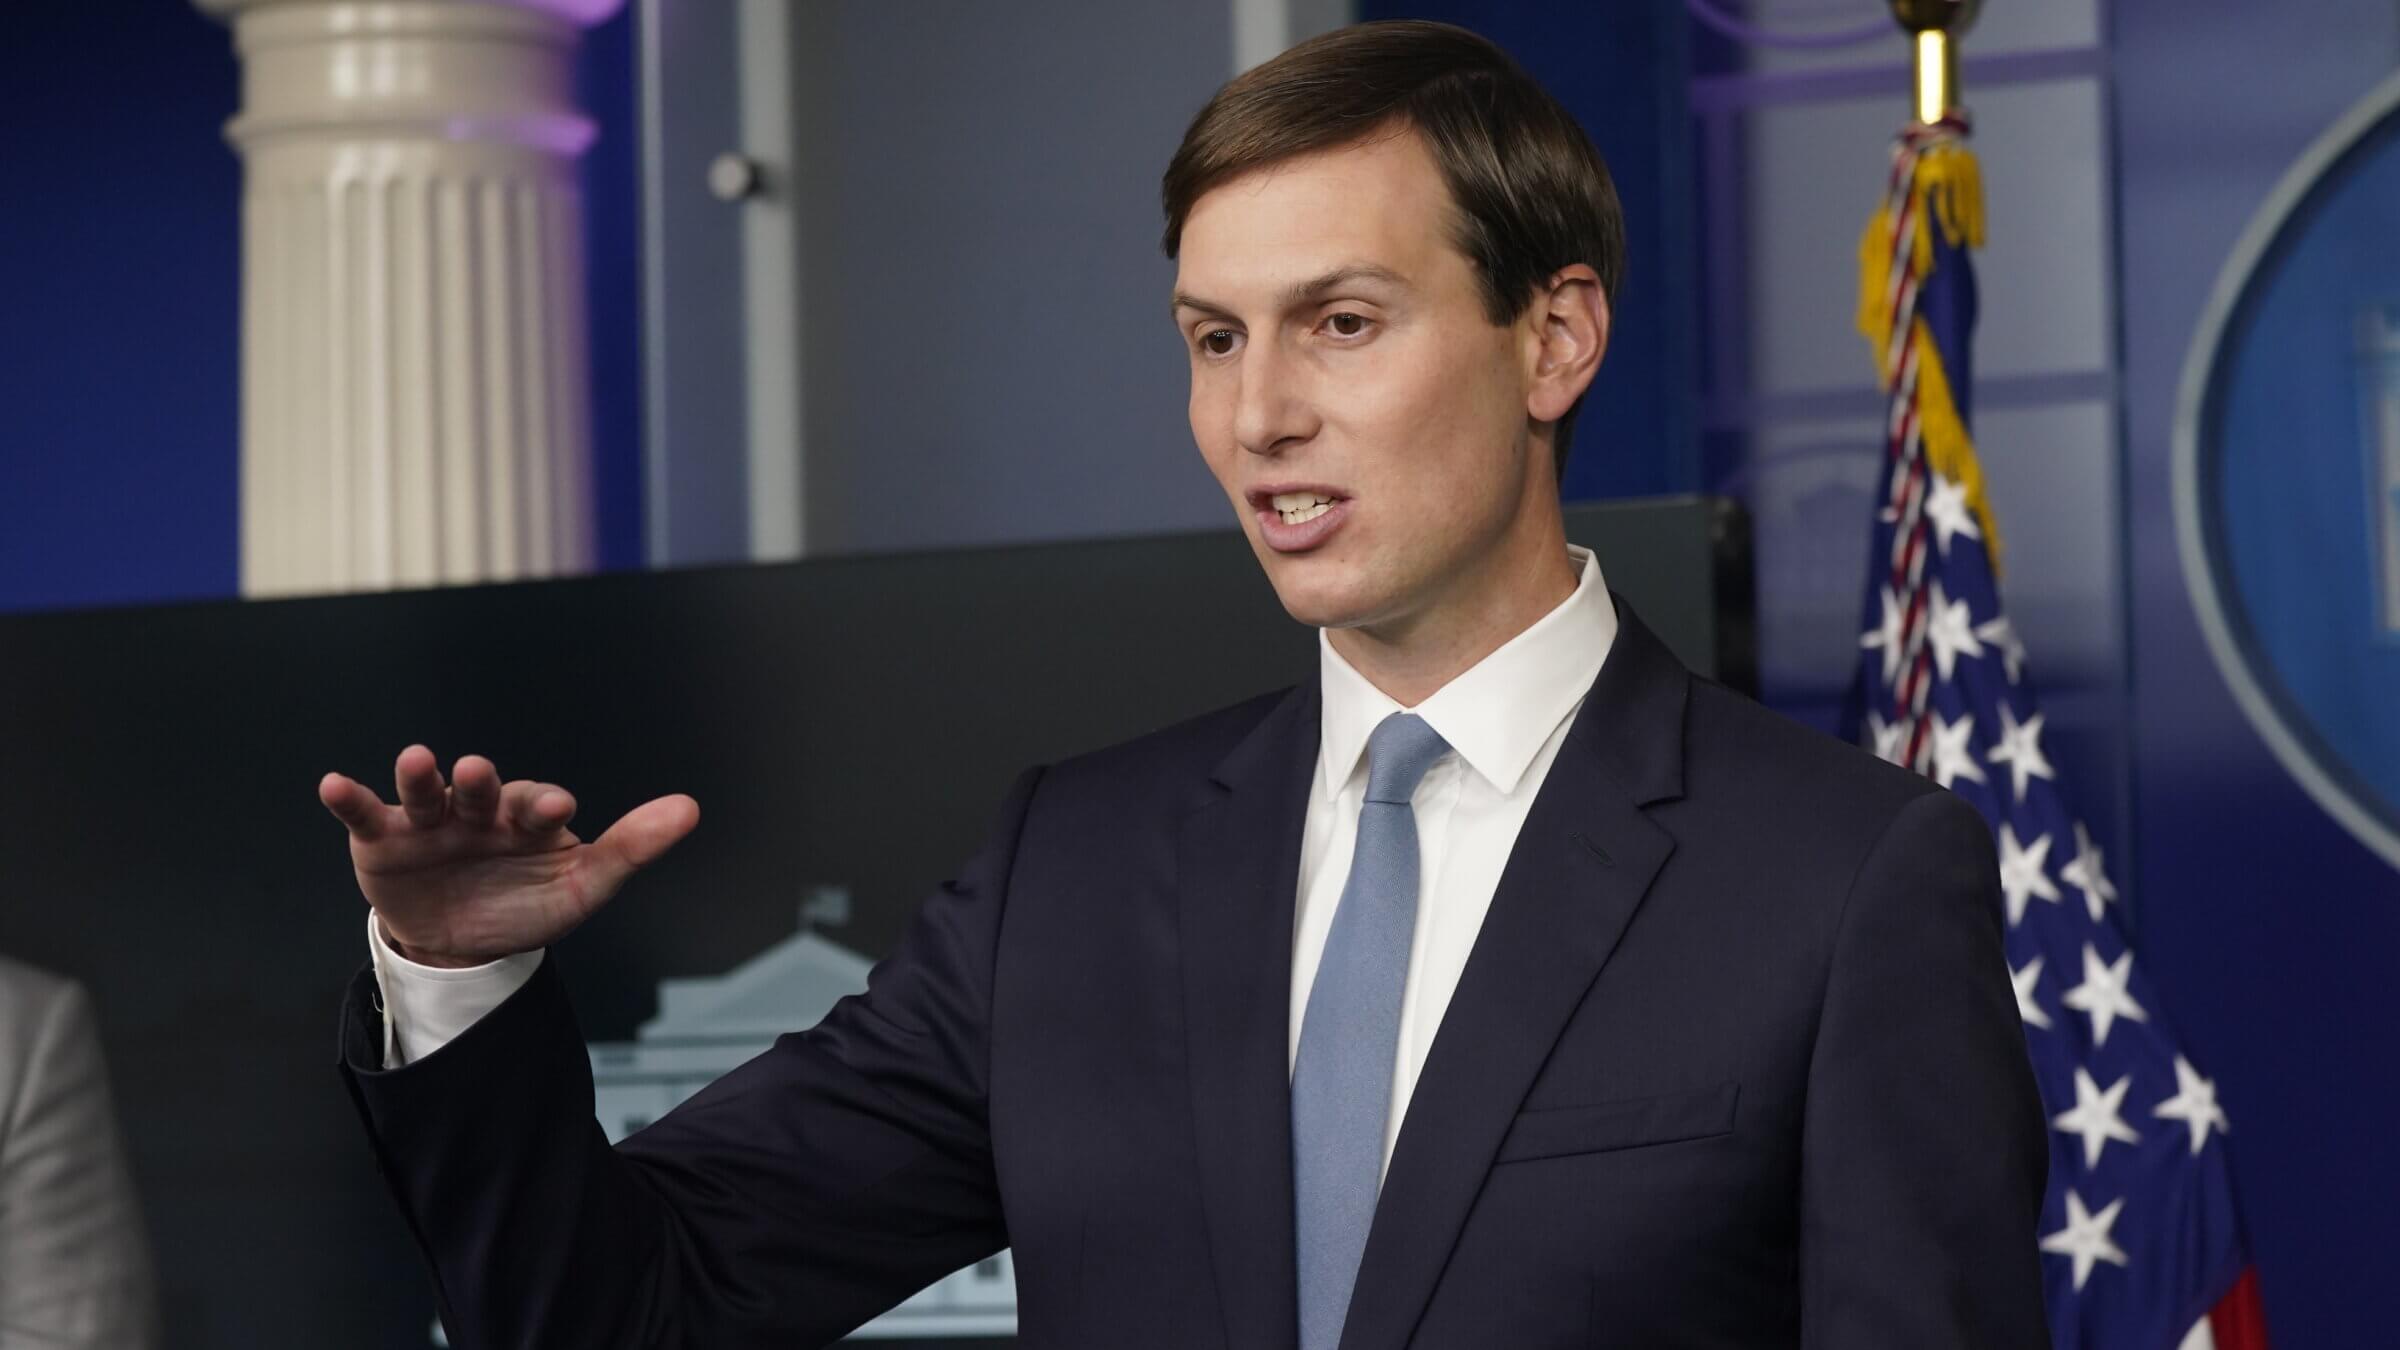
x=1583, y=861
x=1238, y=872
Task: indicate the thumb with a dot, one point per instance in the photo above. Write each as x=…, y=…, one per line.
x=638, y=839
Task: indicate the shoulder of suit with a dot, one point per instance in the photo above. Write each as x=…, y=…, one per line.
x=1802, y=810
x=1733, y=744
x=1173, y=756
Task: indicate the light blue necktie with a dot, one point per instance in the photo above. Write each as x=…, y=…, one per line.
x=1342, y=1079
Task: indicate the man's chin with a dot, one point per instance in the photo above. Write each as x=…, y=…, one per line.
x=1322, y=606
x=1327, y=589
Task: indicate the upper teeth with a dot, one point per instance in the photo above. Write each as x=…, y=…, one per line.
x=1296, y=507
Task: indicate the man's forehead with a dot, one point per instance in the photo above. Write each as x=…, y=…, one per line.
x=1378, y=205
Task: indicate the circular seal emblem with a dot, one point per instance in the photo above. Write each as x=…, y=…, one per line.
x=2287, y=471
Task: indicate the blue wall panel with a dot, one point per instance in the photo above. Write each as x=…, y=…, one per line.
x=2272, y=933
x=120, y=357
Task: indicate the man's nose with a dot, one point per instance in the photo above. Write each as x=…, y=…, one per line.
x=1273, y=408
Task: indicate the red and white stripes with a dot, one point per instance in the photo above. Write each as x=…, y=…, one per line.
x=1908, y=476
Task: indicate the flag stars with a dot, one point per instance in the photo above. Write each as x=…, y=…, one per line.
x=1947, y=511
x=2020, y=748
x=2098, y=1116
x=1886, y=635
x=2002, y=634
x=2029, y=1008
x=1950, y=628
x=2195, y=1104
x=2103, y=994
x=1934, y=629
x=2024, y=873
x=2083, y=872
x=1885, y=737
x=2086, y=1238
x=1953, y=759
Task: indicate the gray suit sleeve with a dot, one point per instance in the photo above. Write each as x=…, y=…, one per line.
x=75, y=1269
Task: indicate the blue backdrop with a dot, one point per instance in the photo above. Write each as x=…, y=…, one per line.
x=2271, y=932
x=2273, y=935
x=2291, y=470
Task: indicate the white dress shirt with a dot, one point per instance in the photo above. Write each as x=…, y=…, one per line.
x=425, y=1006
x=1504, y=718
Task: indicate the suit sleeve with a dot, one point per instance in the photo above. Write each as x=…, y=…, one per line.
x=786, y=1203
x=1924, y=1151
x=74, y=1260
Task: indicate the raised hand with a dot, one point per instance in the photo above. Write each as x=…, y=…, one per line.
x=464, y=872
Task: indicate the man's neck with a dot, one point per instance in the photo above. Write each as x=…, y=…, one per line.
x=1412, y=658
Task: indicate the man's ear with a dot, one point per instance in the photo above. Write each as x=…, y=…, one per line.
x=1570, y=333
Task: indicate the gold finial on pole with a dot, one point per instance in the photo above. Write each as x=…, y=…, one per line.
x=1936, y=25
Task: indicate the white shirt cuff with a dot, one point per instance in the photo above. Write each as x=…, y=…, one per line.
x=426, y=1007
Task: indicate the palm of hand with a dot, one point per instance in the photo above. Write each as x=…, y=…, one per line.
x=465, y=872
x=489, y=892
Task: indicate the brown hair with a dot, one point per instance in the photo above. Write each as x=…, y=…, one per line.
x=1530, y=192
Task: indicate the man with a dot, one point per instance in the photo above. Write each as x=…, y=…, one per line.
x=74, y=1261
x=1503, y=986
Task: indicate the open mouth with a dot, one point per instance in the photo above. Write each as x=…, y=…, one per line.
x=1299, y=507
x=1294, y=505
x=1297, y=517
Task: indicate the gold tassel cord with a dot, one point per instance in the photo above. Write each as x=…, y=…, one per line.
x=1949, y=188
x=1946, y=188
x=1949, y=451
x=1874, y=289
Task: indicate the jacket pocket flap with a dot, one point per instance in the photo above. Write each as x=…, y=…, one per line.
x=1560, y=1130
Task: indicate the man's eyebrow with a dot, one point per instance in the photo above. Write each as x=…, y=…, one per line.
x=1304, y=292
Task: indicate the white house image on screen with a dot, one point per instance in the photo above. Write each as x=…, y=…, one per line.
x=707, y=1026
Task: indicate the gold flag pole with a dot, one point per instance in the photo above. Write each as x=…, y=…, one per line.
x=1936, y=26
x=1936, y=189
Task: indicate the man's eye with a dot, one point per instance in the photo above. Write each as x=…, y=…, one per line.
x=1217, y=341
x=1346, y=324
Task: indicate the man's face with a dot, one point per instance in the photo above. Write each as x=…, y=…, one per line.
x=1340, y=353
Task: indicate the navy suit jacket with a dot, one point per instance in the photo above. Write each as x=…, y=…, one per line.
x=1734, y=1062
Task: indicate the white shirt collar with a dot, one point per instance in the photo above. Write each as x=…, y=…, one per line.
x=1498, y=712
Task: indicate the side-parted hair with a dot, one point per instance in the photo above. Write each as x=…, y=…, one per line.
x=1530, y=194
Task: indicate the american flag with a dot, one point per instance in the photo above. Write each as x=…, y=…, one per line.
x=2143, y=1247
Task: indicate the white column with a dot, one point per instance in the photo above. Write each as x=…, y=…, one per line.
x=415, y=387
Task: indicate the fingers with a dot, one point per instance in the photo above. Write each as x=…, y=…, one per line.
x=423, y=795
x=353, y=805
x=638, y=839
x=537, y=808
x=475, y=790
x=476, y=796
